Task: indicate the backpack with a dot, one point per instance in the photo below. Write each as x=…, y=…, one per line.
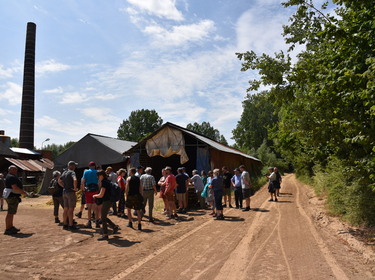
x=115, y=192
x=53, y=187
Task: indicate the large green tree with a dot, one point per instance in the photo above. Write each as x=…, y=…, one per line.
x=207, y=130
x=326, y=98
x=258, y=116
x=139, y=124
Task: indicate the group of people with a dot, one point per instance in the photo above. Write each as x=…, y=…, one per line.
x=138, y=190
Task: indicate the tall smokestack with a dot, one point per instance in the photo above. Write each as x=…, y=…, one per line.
x=28, y=91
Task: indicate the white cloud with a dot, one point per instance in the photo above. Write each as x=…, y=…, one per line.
x=54, y=90
x=160, y=8
x=12, y=93
x=50, y=66
x=180, y=34
x=73, y=98
x=100, y=114
x=260, y=28
x=105, y=97
x=5, y=73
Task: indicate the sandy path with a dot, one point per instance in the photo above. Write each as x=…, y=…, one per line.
x=273, y=241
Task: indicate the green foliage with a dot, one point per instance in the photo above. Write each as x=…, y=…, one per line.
x=347, y=196
x=14, y=142
x=58, y=149
x=207, y=130
x=259, y=114
x=139, y=124
x=325, y=99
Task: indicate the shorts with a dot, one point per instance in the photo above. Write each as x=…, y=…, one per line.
x=169, y=196
x=70, y=200
x=162, y=190
x=13, y=204
x=89, y=198
x=271, y=188
x=247, y=193
x=227, y=191
x=181, y=196
x=134, y=202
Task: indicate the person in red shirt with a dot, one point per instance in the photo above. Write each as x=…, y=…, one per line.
x=170, y=185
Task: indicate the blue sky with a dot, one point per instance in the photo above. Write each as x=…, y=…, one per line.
x=98, y=60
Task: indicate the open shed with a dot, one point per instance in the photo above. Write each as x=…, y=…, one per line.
x=175, y=146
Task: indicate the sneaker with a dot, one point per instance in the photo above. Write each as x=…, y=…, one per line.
x=230, y=206
x=224, y=205
x=212, y=213
x=115, y=229
x=57, y=220
x=73, y=227
x=220, y=217
x=276, y=199
x=65, y=227
x=88, y=225
x=179, y=211
x=79, y=215
x=183, y=211
x=130, y=224
x=246, y=209
x=10, y=232
x=270, y=199
x=170, y=217
x=15, y=229
x=139, y=226
x=103, y=237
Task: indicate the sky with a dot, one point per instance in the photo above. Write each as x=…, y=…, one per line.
x=99, y=60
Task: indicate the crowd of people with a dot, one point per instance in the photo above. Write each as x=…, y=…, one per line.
x=138, y=189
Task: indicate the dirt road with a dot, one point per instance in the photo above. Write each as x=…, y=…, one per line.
x=290, y=239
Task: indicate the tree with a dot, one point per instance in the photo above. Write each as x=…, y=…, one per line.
x=207, y=130
x=14, y=142
x=326, y=98
x=58, y=149
x=139, y=124
x=259, y=114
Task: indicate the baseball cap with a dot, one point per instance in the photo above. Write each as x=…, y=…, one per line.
x=91, y=163
x=72, y=163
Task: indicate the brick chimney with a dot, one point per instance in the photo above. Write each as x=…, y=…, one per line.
x=28, y=91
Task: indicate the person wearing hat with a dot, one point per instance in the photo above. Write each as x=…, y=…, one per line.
x=236, y=183
x=105, y=196
x=68, y=181
x=89, y=187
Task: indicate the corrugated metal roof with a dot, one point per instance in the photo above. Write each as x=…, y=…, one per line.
x=24, y=151
x=32, y=165
x=113, y=143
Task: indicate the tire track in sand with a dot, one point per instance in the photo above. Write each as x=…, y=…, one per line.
x=330, y=260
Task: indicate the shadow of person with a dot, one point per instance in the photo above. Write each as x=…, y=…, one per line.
x=22, y=235
x=161, y=222
x=118, y=241
x=259, y=210
x=147, y=230
x=233, y=219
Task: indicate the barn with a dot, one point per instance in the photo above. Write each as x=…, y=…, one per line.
x=175, y=146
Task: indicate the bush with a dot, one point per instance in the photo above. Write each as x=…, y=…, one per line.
x=346, y=197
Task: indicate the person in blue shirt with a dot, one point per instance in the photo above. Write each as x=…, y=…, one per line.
x=236, y=183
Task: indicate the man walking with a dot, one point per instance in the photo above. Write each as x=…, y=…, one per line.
x=13, y=189
x=246, y=187
x=148, y=184
x=69, y=182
